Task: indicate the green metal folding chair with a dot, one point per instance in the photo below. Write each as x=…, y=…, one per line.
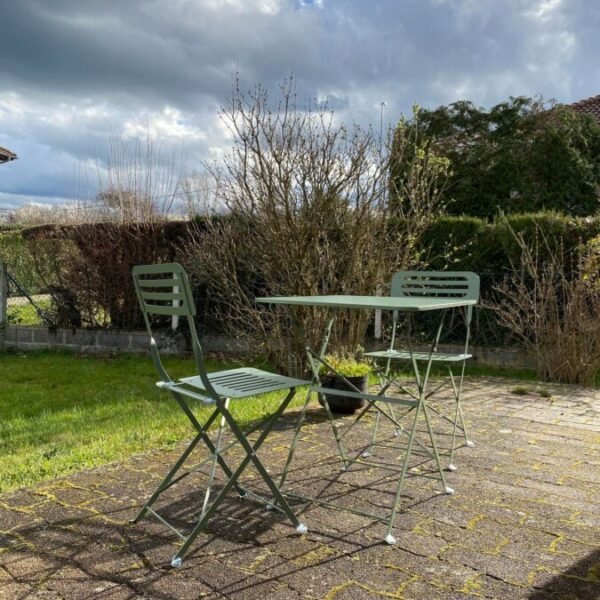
x=439, y=284
x=164, y=290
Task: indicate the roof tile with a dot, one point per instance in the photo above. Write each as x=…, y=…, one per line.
x=589, y=106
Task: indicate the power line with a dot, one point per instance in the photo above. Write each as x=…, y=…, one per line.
x=102, y=205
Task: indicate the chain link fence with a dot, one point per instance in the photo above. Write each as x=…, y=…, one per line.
x=19, y=307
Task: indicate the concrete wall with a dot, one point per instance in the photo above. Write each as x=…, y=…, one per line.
x=101, y=341
x=88, y=341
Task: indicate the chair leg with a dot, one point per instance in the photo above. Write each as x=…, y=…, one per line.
x=369, y=449
x=216, y=454
x=459, y=422
x=389, y=538
x=445, y=488
x=206, y=438
x=250, y=456
x=295, y=439
x=166, y=482
x=336, y=434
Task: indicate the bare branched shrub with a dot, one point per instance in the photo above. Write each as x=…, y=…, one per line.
x=305, y=212
x=139, y=183
x=200, y=196
x=553, y=308
x=31, y=215
x=85, y=264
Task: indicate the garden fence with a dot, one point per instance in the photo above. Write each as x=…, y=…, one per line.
x=14, y=296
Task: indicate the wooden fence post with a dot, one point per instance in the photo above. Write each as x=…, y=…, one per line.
x=3, y=293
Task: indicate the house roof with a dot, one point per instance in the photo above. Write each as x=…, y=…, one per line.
x=6, y=155
x=589, y=106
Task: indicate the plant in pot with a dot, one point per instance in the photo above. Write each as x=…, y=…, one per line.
x=344, y=370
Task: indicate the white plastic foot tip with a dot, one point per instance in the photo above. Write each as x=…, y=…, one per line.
x=390, y=539
x=176, y=562
x=397, y=432
x=470, y=444
x=269, y=507
x=366, y=454
x=449, y=490
x=302, y=528
x=451, y=468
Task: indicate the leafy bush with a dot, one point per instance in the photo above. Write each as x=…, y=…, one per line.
x=346, y=366
x=523, y=155
x=26, y=314
x=474, y=244
x=492, y=250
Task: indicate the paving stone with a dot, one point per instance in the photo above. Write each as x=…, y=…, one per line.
x=175, y=586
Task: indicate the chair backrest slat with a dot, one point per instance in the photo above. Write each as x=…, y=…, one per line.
x=158, y=283
x=170, y=296
x=167, y=311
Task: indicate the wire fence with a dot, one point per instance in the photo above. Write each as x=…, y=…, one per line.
x=19, y=307
x=7, y=215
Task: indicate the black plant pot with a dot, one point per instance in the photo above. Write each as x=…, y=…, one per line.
x=343, y=404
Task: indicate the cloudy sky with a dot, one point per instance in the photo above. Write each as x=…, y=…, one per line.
x=75, y=74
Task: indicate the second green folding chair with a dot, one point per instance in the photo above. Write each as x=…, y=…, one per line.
x=164, y=290
x=439, y=284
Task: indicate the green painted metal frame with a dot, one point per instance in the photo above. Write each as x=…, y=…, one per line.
x=165, y=290
x=433, y=284
x=416, y=405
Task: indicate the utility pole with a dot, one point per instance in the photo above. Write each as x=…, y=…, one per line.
x=3, y=293
x=382, y=106
x=377, y=325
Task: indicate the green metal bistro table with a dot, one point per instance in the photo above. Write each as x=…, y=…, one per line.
x=414, y=403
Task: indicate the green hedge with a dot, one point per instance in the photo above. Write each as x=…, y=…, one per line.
x=491, y=250
x=470, y=243
x=13, y=251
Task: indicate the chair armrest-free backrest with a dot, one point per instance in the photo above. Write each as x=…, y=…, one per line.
x=437, y=284
x=165, y=290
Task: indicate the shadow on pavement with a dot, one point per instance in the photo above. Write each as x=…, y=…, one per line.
x=580, y=582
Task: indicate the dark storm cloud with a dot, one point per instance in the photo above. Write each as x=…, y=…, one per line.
x=162, y=52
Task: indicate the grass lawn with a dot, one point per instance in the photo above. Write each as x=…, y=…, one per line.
x=25, y=314
x=62, y=412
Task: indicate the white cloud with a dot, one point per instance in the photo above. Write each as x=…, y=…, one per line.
x=269, y=7
x=168, y=124
x=545, y=10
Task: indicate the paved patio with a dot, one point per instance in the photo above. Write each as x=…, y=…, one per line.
x=524, y=521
